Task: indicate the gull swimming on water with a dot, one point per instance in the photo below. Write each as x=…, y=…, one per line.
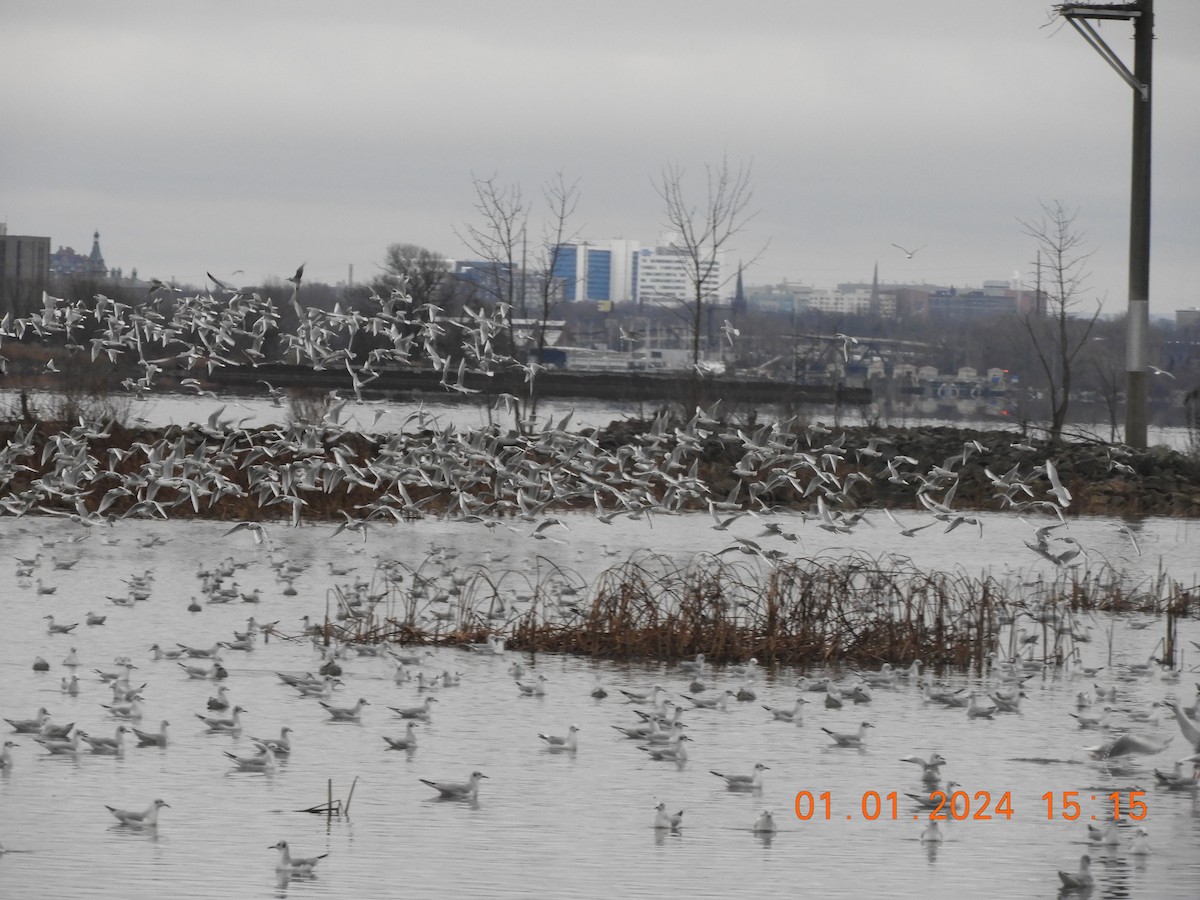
x=932, y=833
x=345, y=713
x=663, y=821
x=52, y=628
x=929, y=801
x=147, y=818
x=644, y=696
x=152, y=739
x=408, y=742
x=744, y=782
x=1080, y=879
x=232, y=725
x=1140, y=845
x=289, y=866
x=977, y=709
x=282, y=745
x=1109, y=834
x=60, y=746
x=415, y=712
x=30, y=726
x=851, y=739
x=202, y=672
x=114, y=745
x=537, y=689
x=784, y=714
x=559, y=743
x=454, y=790
x=765, y=824
x=263, y=761
x=6, y=759
x=1176, y=779
x=675, y=751
x=717, y=702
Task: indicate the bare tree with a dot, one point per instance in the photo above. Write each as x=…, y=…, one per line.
x=1057, y=333
x=499, y=240
x=414, y=270
x=702, y=233
x=561, y=201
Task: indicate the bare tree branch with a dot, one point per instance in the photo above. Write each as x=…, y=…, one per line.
x=1057, y=333
x=702, y=234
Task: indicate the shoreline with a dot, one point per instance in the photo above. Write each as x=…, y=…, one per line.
x=664, y=464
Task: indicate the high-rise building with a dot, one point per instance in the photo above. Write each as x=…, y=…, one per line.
x=24, y=271
x=597, y=270
x=667, y=273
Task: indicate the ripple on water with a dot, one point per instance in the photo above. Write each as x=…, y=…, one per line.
x=556, y=824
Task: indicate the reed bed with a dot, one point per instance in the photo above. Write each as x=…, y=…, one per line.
x=854, y=609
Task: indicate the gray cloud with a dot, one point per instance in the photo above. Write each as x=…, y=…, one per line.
x=225, y=136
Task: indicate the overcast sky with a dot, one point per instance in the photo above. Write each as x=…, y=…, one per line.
x=225, y=136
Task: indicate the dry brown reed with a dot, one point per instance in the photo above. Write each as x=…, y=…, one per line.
x=854, y=609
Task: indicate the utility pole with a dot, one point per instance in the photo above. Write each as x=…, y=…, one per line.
x=1141, y=13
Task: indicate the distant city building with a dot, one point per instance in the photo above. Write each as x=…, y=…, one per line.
x=24, y=271
x=1187, y=318
x=778, y=298
x=855, y=299
x=890, y=301
x=65, y=261
x=665, y=273
x=597, y=270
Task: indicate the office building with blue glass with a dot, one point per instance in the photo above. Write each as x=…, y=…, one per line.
x=597, y=270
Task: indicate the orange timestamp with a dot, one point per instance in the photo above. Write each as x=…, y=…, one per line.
x=961, y=805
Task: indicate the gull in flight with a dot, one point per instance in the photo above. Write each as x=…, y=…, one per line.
x=1127, y=745
x=931, y=769
x=909, y=254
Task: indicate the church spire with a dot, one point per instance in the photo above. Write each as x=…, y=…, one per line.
x=739, y=294
x=96, y=260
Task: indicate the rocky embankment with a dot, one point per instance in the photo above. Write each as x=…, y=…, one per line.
x=1104, y=479
x=322, y=472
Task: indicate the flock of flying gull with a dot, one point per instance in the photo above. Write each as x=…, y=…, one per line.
x=484, y=476
x=216, y=467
